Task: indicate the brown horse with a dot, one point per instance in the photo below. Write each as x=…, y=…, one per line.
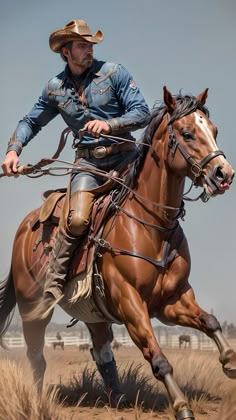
x=84, y=347
x=116, y=345
x=144, y=260
x=184, y=339
x=59, y=343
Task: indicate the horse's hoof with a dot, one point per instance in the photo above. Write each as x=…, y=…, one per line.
x=185, y=414
x=229, y=370
x=228, y=360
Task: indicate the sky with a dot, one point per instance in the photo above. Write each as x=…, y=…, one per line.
x=183, y=44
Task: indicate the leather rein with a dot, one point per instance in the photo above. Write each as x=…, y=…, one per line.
x=173, y=145
x=197, y=169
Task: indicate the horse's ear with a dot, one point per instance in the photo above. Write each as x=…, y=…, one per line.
x=203, y=97
x=169, y=100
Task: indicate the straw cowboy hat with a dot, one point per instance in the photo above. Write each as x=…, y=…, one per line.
x=75, y=29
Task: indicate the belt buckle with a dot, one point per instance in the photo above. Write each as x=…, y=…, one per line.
x=99, y=152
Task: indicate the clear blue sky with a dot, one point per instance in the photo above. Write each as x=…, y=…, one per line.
x=183, y=44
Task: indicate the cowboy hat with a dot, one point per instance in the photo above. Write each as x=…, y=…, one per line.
x=75, y=29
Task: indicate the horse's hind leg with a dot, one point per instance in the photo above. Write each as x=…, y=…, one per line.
x=102, y=336
x=34, y=337
x=186, y=312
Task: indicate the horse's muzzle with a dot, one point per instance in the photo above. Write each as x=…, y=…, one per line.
x=218, y=181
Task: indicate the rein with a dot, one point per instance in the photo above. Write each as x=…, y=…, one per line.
x=36, y=171
x=180, y=214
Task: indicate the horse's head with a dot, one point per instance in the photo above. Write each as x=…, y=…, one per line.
x=192, y=149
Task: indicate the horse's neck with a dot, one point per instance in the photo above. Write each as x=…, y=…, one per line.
x=158, y=184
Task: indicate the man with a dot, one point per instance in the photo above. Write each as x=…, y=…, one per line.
x=100, y=98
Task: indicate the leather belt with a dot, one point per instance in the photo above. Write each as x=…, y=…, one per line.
x=99, y=152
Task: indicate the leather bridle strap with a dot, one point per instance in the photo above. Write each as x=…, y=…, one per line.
x=196, y=167
x=211, y=156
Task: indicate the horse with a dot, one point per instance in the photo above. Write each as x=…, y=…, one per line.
x=59, y=343
x=142, y=257
x=184, y=339
x=116, y=345
x=84, y=347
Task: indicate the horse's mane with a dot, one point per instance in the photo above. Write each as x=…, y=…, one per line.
x=185, y=104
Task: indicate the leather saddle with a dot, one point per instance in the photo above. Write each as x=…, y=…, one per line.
x=46, y=223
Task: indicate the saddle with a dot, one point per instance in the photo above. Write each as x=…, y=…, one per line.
x=47, y=221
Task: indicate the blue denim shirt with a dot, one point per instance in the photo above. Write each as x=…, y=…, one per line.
x=109, y=93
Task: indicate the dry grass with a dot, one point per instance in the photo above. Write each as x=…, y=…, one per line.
x=199, y=375
x=228, y=408
x=79, y=393
x=19, y=399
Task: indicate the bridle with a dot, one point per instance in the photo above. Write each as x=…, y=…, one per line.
x=196, y=167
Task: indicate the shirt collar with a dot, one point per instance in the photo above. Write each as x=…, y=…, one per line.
x=94, y=69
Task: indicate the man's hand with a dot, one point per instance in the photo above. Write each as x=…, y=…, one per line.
x=10, y=163
x=96, y=127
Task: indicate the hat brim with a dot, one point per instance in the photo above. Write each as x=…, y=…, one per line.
x=61, y=37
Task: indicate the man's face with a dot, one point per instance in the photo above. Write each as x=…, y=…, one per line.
x=80, y=55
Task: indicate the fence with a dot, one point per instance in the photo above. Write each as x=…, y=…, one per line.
x=18, y=342
x=200, y=342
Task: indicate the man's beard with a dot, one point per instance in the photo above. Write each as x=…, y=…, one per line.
x=86, y=62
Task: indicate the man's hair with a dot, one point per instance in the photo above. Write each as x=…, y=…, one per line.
x=68, y=46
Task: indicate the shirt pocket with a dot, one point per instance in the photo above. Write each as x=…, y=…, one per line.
x=67, y=106
x=63, y=100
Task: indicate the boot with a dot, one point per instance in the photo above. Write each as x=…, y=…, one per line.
x=59, y=260
x=109, y=374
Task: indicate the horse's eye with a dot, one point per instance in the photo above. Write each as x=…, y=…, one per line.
x=187, y=136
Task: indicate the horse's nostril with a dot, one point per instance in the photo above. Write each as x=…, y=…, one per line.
x=219, y=173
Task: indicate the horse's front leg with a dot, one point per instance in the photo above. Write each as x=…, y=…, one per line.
x=182, y=309
x=102, y=336
x=134, y=314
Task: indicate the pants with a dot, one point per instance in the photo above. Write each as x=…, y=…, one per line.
x=83, y=189
x=75, y=221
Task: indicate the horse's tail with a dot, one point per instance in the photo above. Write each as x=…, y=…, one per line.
x=7, y=304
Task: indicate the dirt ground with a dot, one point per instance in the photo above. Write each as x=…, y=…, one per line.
x=63, y=365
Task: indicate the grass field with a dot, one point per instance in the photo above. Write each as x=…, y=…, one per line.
x=76, y=390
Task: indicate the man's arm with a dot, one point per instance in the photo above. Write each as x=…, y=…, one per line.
x=136, y=111
x=39, y=116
